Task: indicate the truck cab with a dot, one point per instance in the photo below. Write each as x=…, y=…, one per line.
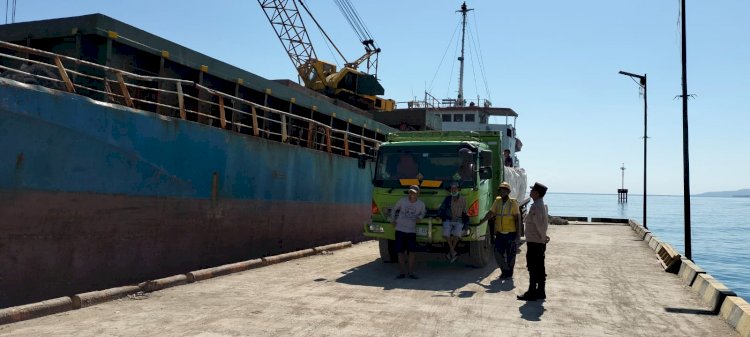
x=432, y=160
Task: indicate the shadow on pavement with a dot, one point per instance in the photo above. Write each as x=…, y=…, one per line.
x=532, y=310
x=497, y=285
x=434, y=275
x=690, y=311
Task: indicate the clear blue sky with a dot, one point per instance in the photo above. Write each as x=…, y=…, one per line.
x=554, y=62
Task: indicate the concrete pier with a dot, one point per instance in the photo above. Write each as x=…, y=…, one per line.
x=603, y=280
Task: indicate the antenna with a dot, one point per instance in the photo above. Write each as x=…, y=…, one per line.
x=460, y=101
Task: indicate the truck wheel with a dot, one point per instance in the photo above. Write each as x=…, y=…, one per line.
x=387, y=250
x=480, y=251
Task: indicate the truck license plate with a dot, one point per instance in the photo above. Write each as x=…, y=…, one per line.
x=422, y=231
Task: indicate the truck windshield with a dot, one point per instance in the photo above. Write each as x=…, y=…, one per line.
x=443, y=163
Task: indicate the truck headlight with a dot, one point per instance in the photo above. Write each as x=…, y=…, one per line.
x=376, y=228
x=467, y=232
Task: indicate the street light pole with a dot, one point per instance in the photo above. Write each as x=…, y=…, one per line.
x=643, y=84
x=685, y=152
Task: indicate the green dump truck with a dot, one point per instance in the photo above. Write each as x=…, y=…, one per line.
x=432, y=160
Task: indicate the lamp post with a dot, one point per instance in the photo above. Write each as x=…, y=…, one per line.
x=642, y=82
x=685, y=152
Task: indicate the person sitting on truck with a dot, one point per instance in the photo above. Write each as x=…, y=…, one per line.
x=508, y=229
x=407, y=167
x=507, y=160
x=466, y=169
x=410, y=209
x=452, y=211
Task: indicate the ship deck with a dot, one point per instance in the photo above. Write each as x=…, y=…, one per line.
x=602, y=280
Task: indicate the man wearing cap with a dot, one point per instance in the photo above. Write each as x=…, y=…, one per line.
x=508, y=229
x=410, y=209
x=536, y=243
x=452, y=212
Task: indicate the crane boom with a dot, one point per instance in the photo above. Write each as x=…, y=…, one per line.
x=348, y=84
x=287, y=22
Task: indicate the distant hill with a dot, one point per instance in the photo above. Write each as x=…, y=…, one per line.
x=738, y=193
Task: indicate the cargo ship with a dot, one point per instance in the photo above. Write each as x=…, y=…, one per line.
x=126, y=157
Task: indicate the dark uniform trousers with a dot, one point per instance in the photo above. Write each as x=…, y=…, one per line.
x=535, y=264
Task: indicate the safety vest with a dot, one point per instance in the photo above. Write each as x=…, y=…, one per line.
x=505, y=215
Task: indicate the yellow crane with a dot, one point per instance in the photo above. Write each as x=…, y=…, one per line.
x=348, y=84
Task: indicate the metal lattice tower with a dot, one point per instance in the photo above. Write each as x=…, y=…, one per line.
x=286, y=20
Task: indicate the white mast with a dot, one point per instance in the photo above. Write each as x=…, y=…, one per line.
x=461, y=101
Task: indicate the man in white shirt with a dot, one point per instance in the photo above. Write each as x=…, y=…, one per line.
x=410, y=210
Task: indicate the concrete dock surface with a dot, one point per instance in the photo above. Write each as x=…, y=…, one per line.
x=602, y=281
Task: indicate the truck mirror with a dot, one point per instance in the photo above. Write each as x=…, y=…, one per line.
x=485, y=173
x=485, y=156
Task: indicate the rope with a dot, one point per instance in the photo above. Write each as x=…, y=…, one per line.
x=443, y=58
x=453, y=67
x=471, y=56
x=481, y=60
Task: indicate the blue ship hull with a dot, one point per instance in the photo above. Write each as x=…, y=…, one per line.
x=94, y=195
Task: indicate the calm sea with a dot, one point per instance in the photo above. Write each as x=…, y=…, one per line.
x=720, y=228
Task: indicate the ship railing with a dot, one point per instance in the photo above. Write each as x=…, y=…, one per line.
x=185, y=99
x=432, y=102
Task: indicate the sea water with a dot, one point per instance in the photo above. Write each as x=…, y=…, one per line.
x=720, y=227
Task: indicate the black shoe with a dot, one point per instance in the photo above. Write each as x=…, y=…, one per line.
x=527, y=296
x=540, y=293
x=400, y=276
x=413, y=277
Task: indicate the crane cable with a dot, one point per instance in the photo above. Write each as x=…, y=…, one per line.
x=354, y=20
x=321, y=29
x=8, y=6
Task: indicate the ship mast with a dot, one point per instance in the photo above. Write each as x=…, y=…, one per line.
x=460, y=101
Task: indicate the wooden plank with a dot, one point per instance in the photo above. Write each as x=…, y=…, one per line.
x=124, y=89
x=255, y=121
x=328, y=139
x=283, y=129
x=311, y=135
x=181, y=101
x=237, y=106
x=110, y=95
x=222, y=115
x=64, y=75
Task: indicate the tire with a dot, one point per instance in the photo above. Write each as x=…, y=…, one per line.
x=480, y=252
x=387, y=250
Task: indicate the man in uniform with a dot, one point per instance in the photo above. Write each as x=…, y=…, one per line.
x=536, y=243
